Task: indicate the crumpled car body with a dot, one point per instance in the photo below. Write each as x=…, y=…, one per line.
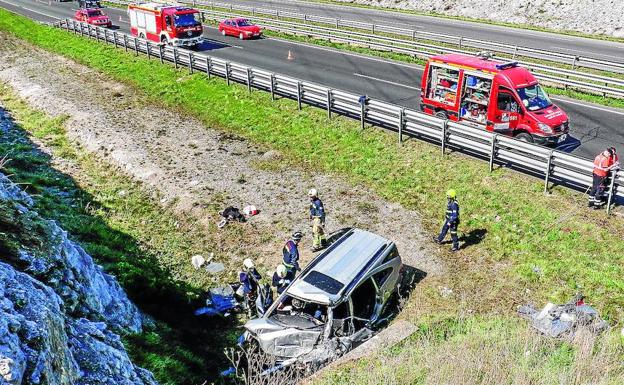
x=334, y=303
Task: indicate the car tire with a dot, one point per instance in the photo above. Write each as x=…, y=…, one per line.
x=223, y=32
x=441, y=115
x=524, y=137
x=241, y=36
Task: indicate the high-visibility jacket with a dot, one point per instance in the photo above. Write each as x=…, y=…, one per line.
x=602, y=164
x=452, y=211
x=291, y=255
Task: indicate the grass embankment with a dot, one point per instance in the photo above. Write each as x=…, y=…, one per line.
x=126, y=230
x=534, y=247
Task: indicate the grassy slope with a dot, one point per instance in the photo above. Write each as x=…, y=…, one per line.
x=536, y=246
x=127, y=231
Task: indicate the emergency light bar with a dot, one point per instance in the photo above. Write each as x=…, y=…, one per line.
x=505, y=66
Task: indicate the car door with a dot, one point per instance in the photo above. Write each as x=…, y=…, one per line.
x=506, y=112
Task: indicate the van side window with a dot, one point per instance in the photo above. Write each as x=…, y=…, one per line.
x=506, y=101
x=380, y=277
x=363, y=299
x=391, y=255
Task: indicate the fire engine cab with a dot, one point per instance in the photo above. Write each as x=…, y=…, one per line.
x=500, y=97
x=177, y=25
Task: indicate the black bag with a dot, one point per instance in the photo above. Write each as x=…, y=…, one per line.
x=232, y=214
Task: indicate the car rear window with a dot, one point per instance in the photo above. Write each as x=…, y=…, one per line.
x=323, y=282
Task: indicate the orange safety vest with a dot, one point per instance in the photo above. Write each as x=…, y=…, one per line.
x=601, y=163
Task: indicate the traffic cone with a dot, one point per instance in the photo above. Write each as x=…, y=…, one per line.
x=290, y=57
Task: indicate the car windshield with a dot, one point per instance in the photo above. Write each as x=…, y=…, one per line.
x=186, y=20
x=534, y=97
x=244, y=23
x=94, y=13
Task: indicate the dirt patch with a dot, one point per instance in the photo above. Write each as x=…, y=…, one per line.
x=194, y=167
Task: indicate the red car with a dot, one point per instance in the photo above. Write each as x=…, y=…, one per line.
x=93, y=16
x=239, y=27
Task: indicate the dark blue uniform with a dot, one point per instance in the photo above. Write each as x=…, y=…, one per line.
x=451, y=222
x=317, y=209
x=291, y=256
x=249, y=279
x=280, y=284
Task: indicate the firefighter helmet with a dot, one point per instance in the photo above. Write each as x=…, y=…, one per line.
x=451, y=194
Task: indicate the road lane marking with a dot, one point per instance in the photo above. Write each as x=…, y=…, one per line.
x=588, y=52
x=30, y=10
x=386, y=81
x=590, y=106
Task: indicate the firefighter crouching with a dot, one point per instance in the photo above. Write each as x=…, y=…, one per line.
x=451, y=220
x=603, y=164
x=317, y=214
x=282, y=278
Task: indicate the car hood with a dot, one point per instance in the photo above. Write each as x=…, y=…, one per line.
x=553, y=116
x=280, y=341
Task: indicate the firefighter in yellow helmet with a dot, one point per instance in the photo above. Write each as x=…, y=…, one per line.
x=451, y=220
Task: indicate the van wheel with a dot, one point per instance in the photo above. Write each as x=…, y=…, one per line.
x=523, y=136
x=240, y=36
x=223, y=32
x=441, y=115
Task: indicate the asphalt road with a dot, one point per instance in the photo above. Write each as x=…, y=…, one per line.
x=570, y=45
x=592, y=127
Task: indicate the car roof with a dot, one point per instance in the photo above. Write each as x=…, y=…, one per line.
x=343, y=263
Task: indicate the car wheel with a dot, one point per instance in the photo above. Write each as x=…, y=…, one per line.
x=223, y=32
x=523, y=136
x=441, y=115
x=240, y=36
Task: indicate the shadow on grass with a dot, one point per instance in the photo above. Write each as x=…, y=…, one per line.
x=177, y=347
x=474, y=237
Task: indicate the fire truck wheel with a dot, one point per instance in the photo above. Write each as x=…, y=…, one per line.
x=141, y=36
x=240, y=36
x=441, y=115
x=523, y=136
x=163, y=40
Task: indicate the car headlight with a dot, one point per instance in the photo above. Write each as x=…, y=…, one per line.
x=545, y=128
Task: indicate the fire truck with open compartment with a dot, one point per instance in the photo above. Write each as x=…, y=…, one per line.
x=500, y=97
x=177, y=25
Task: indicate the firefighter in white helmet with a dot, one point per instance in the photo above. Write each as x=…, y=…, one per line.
x=282, y=278
x=317, y=215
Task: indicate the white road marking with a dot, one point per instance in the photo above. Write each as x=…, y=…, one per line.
x=611, y=111
x=30, y=10
x=343, y=52
x=386, y=81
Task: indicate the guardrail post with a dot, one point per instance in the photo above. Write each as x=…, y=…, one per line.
x=208, y=65
x=444, y=130
x=611, y=188
x=493, y=151
x=548, y=171
x=329, y=103
x=513, y=57
x=125, y=40
x=89, y=30
x=414, y=34
x=175, y=57
x=227, y=72
x=461, y=40
x=373, y=29
x=362, y=113
x=106, y=36
x=190, y=55
x=147, y=48
x=136, y=46
x=160, y=53
x=248, y=79
x=115, y=38
x=74, y=27
x=574, y=61
x=401, y=124
x=272, y=86
x=299, y=95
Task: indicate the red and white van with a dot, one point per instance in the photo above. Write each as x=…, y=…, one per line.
x=170, y=24
x=500, y=97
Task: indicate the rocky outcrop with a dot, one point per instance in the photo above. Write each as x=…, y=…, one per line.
x=61, y=315
x=605, y=17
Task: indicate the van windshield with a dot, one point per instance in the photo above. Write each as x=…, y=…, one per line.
x=186, y=20
x=534, y=97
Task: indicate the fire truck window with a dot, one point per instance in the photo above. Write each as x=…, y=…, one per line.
x=168, y=21
x=506, y=102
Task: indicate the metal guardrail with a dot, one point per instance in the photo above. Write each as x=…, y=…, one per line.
x=561, y=77
x=550, y=165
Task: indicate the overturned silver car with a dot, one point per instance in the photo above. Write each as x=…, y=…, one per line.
x=334, y=304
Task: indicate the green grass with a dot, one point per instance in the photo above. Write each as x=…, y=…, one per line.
x=550, y=244
x=126, y=230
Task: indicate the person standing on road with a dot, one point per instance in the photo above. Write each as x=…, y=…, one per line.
x=451, y=220
x=603, y=164
x=317, y=215
x=291, y=253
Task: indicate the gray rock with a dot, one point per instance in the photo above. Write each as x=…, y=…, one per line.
x=60, y=313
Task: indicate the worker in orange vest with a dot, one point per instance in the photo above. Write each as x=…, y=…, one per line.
x=603, y=164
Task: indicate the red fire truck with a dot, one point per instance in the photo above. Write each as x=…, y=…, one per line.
x=497, y=96
x=170, y=24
